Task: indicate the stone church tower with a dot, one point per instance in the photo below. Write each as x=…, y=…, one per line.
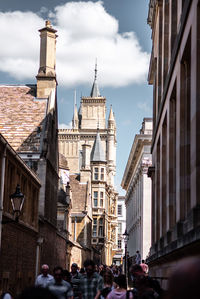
x=90, y=149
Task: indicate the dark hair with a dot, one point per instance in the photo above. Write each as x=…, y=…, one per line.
x=89, y=263
x=108, y=277
x=58, y=268
x=82, y=270
x=67, y=274
x=36, y=292
x=121, y=281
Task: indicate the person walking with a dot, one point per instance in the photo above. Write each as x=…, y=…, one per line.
x=91, y=282
x=144, y=266
x=107, y=285
x=59, y=287
x=120, y=291
x=75, y=280
x=44, y=278
x=138, y=258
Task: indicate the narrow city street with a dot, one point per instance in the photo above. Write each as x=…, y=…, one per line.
x=99, y=149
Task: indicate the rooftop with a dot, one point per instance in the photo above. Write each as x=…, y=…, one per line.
x=21, y=117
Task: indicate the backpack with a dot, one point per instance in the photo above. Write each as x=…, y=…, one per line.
x=105, y=291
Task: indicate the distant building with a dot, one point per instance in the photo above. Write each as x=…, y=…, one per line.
x=175, y=75
x=121, y=219
x=138, y=193
x=90, y=149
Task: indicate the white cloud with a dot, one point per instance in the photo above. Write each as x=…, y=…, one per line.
x=65, y=126
x=85, y=31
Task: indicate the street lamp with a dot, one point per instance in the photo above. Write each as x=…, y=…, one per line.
x=17, y=201
x=126, y=235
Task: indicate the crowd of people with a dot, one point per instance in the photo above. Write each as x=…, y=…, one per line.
x=102, y=282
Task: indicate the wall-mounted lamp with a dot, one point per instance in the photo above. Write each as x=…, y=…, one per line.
x=17, y=201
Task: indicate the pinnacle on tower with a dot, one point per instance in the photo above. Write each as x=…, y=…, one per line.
x=95, y=93
x=111, y=115
x=97, y=154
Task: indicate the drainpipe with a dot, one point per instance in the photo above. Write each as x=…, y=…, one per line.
x=75, y=221
x=3, y=163
x=37, y=264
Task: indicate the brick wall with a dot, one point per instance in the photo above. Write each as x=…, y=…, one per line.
x=17, y=258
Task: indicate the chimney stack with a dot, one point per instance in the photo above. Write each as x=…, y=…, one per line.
x=46, y=77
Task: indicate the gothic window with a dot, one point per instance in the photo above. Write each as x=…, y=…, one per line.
x=96, y=173
x=102, y=174
x=94, y=233
x=101, y=199
x=95, y=199
x=119, y=210
x=101, y=227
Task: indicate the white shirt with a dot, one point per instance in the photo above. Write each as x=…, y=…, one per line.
x=42, y=281
x=7, y=296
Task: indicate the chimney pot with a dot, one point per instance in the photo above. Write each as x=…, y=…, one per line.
x=48, y=23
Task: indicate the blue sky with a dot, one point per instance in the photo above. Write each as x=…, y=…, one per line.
x=114, y=31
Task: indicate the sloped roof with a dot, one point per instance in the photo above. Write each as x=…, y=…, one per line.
x=97, y=153
x=79, y=194
x=22, y=117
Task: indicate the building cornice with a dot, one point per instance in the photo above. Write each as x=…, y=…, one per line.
x=139, y=142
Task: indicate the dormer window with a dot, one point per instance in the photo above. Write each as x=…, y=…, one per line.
x=96, y=173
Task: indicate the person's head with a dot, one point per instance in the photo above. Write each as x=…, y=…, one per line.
x=137, y=251
x=74, y=268
x=58, y=274
x=143, y=261
x=36, y=292
x=66, y=276
x=184, y=282
x=136, y=270
x=45, y=269
x=137, y=275
x=96, y=268
x=89, y=267
x=82, y=271
x=108, y=277
x=121, y=281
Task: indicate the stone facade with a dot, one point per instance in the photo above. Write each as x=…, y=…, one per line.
x=138, y=193
x=18, y=240
x=121, y=219
x=90, y=149
x=174, y=72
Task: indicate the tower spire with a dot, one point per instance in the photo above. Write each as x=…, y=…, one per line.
x=95, y=93
x=75, y=117
x=95, y=74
